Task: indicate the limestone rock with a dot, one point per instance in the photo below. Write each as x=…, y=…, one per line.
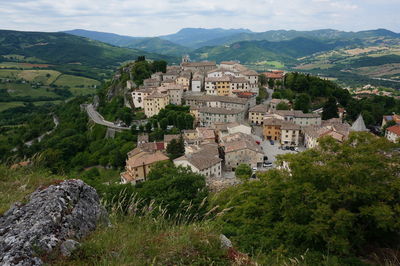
x=68, y=246
x=225, y=242
x=67, y=210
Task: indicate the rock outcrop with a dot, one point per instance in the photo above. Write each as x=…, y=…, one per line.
x=54, y=215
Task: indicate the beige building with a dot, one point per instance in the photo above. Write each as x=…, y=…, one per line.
x=290, y=134
x=211, y=115
x=175, y=93
x=298, y=117
x=257, y=113
x=239, y=149
x=138, y=97
x=239, y=85
x=154, y=103
x=333, y=127
x=204, y=161
x=218, y=101
x=139, y=164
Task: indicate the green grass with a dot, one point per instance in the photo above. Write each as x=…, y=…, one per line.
x=72, y=81
x=27, y=90
x=16, y=184
x=134, y=240
x=8, y=105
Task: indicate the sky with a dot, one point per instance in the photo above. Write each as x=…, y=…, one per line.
x=161, y=17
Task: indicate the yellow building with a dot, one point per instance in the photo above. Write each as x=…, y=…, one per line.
x=257, y=113
x=154, y=103
x=184, y=81
x=272, y=128
x=220, y=86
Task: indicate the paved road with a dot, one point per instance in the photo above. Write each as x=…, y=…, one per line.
x=98, y=119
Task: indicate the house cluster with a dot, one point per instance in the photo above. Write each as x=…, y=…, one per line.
x=228, y=79
x=292, y=128
x=208, y=151
x=392, y=132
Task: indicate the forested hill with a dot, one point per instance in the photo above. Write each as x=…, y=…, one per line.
x=62, y=48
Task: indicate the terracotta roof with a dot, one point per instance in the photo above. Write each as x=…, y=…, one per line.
x=215, y=98
x=289, y=126
x=222, y=111
x=239, y=80
x=199, y=160
x=261, y=108
x=205, y=132
x=279, y=101
x=274, y=75
x=224, y=78
x=168, y=138
x=249, y=73
x=198, y=64
x=155, y=95
x=394, y=129
x=228, y=63
x=272, y=121
x=146, y=158
x=239, y=141
x=295, y=113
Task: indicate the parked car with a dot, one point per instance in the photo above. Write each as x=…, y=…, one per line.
x=271, y=141
x=258, y=142
x=291, y=148
x=267, y=164
x=254, y=168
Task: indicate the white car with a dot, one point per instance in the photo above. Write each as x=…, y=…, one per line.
x=254, y=168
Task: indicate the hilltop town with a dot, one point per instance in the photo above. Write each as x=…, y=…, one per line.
x=233, y=126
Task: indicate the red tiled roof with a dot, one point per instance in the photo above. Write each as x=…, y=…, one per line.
x=394, y=129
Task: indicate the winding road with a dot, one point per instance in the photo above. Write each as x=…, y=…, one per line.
x=99, y=119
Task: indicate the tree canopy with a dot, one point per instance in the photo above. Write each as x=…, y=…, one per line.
x=316, y=207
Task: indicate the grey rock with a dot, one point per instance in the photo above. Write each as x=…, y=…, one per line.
x=68, y=246
x=225, y=242
x=70, y=209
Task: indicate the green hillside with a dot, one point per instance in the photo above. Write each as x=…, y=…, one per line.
x=148, y=44
x=62, y=48
x=257, y=51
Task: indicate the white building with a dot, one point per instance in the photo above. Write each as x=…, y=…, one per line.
x=206, y=161
x=138, y=97
x=393, y=133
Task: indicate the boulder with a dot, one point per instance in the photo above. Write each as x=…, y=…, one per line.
x=67, y=210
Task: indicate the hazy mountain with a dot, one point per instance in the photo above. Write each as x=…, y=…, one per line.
x=148, y=44
x=281, y=35
x=197, y=37
x=256, y=51
x=63, y=48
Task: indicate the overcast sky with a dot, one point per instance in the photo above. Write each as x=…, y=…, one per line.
x=159, y=17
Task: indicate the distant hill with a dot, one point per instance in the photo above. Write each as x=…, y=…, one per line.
x=282, y=35
x=148, y=44
x=63, y=48
x=255, y=51
x=198, y=37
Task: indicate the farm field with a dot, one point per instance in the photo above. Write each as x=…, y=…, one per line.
x=26, y=90
x=7, y=105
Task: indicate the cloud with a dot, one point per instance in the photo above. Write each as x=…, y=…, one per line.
x=158, y=17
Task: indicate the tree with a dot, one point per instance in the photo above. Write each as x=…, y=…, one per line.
x=148, y=127
x=164, y=123
x=302, y=102
x=330, y=109
x=282, y=106
x=243, y=172
x=271, y=84
x=176, y=148
x=262, y=79
x=341, y=198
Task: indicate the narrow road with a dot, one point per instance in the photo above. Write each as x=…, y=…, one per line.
x=98, y=119
x=39, y=139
